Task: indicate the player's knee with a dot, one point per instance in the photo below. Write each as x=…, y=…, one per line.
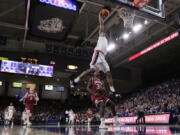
x=101, y=104
x=111, y=104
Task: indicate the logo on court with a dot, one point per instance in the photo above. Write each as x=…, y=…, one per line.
x=54, y=25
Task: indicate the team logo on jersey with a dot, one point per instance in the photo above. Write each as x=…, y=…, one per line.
x=54, y=25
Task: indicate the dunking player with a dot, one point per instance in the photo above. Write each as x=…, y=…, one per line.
x=9, y=114
x=98, y=96
x=30, y=98
x=98, y=61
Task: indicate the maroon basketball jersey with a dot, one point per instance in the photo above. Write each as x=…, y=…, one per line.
x=30, y=99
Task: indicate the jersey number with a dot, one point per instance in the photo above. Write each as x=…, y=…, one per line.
x=31, y=98
x=98, y=85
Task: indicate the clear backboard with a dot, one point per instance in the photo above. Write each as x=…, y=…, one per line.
x=155, y=7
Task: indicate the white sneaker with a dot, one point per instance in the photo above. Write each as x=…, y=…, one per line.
x=112, y=89
x=29, y=124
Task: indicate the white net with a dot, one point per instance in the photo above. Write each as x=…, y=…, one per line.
x=127, y=16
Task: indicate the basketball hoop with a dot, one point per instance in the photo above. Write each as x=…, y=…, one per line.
x=127, y=15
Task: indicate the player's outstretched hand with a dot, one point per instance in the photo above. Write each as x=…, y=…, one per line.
x=73, y=84
x=114, y=94
x=20, y=100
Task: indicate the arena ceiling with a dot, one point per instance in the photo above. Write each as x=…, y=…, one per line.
x=85, y=28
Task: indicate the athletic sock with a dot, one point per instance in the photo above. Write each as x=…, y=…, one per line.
x=112, y=89
x=76, y=80
x=12, y=124
x=102, y=120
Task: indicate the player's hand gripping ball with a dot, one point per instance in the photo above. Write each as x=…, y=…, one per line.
x=104, y=13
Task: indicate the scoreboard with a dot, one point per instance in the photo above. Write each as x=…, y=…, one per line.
x=26, y=68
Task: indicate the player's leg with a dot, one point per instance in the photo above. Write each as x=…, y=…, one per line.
x=11, y=119
x=111, y=105
x=5, y=122
x=12, y=123
x=94, y=60
x=28, y=117
x=86, y=72
x=106, y=69
x=23, y=118
x=70, y=121
x=110, y=81
x=101, y=106
x=89, y=120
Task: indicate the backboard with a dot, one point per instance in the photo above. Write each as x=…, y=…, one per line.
x=155, y=7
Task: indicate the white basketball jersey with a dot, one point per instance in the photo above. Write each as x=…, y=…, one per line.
x=102, y=44
x=6, y=115
x=71, y=115
x=10, y=109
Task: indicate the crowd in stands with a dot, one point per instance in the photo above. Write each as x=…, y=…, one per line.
x=161, y=98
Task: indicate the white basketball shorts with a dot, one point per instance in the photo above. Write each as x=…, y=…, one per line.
x=99, y=61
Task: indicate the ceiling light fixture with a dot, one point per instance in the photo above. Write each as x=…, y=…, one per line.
x=137, y=27
x=125, y=35
x=145, y=22
x=110, y=47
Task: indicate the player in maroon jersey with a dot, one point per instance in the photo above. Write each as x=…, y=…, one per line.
x=89, y=116
x=99, y=97
x=30, y=99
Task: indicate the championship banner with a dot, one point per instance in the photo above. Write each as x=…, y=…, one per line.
x=152, y=119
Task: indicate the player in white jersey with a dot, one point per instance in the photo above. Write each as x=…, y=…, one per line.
x=9, y=114
x=71, y=117
x=98, y=61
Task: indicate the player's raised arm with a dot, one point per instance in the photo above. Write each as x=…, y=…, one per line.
x=101, y=26
x=23, y=97
x=36, y=98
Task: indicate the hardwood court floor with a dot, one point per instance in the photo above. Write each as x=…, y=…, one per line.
x=93, y=130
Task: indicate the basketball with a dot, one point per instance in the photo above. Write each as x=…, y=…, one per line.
x=104, y=13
